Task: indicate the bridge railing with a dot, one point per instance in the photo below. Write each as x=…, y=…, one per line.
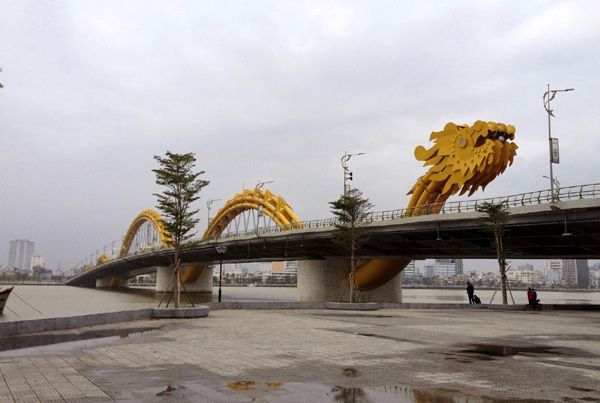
x=459, y=206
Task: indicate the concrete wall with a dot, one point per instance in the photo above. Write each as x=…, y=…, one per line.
x=325, y=280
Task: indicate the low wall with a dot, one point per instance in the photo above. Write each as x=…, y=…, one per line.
x=74, y=322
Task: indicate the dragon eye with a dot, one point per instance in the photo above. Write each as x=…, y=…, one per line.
x=501, y=138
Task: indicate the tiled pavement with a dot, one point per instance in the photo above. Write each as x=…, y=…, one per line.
x=305, y=355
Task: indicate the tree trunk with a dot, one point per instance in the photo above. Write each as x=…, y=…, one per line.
x=177, y=277
x=502, y=264
x=352, y=272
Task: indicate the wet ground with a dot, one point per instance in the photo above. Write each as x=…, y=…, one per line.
x=320, y=356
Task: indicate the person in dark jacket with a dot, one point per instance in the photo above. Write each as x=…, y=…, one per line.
x=470, y=292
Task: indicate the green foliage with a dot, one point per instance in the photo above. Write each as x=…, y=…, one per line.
x=350, y=210
x=182, y=188
x=497, y=217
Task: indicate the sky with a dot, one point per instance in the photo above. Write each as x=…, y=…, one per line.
x=273, y=91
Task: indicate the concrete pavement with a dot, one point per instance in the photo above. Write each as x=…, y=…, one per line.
x=390, y=355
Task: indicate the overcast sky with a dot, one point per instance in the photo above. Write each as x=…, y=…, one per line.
x=276, y=91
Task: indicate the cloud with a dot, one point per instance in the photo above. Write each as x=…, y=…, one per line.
x=271, y=91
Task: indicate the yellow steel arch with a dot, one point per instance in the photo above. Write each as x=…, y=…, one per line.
x=274, y=206
x=148, y=215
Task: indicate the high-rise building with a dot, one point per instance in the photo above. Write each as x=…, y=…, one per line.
x=583, y=273
x=553, y=270
x=570, y=272
x=442, y=268
x=410, y=271
x=20, y=252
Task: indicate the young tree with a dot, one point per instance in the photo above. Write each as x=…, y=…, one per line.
x=496, y=219
x=182, y=187
x=351, y=209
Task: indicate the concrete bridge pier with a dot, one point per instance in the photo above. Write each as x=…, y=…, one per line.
x=201, y=277
x=325, y=281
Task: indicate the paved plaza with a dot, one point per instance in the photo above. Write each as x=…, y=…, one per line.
x=400, y=355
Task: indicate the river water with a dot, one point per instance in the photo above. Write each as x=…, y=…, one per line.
x=46, y=301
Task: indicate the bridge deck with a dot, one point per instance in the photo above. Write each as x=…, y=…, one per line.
x=569, y=229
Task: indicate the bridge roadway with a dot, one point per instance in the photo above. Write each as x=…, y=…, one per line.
x=568, y=229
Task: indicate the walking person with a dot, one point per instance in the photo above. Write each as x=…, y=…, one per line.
x=470, y=292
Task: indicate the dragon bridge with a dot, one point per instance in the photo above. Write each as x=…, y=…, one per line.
x=463, y=158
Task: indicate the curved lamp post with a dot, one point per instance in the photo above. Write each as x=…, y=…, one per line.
x=347, y=174
x=221, y=249
x=549, y=96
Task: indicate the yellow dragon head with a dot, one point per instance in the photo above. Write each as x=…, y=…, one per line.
x=462, y=158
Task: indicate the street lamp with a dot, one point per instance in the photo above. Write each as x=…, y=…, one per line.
x=221, y=249
x=556, y=185
x=552, y=143
x=347, y=174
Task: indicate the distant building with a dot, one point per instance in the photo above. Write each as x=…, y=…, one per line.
x=553, y=270
x=20, y=252
x=595, y=278
x=570, y=272
x=291, y=267
x=525, y=267
x=524, y=275
x=583, y=273
x=46, y=274
x=410, y=271
x=444, y=268
x=277, y=267
x=38, y=261
x=238, y=269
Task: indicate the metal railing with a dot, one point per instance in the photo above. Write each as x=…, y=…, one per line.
x=462, y=206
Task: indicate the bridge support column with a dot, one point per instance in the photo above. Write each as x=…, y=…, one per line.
x=325, y=280
x=201, y=281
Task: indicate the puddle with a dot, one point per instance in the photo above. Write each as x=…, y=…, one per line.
x=351, y=315
x=499, y=350
x=250, y=390
x=29, y=341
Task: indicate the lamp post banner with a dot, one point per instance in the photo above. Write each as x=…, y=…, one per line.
x=555, y=156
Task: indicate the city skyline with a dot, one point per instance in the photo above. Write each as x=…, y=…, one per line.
x=273, y=91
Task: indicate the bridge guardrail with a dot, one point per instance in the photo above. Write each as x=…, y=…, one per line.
x=461, y=206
